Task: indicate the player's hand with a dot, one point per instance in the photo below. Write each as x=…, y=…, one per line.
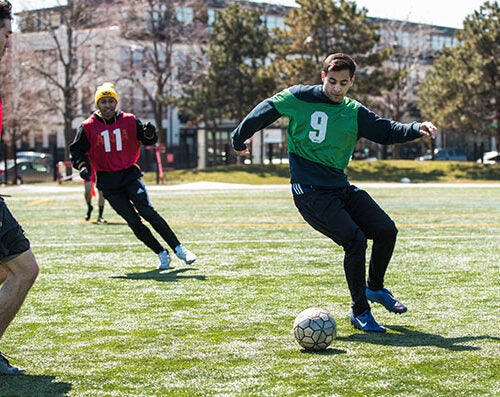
x=149, y=131
x=429, y=129
x=84, y=173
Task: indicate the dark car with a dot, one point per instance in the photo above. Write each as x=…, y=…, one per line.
x=449, y=154
x=37, y=157
x=28, y=171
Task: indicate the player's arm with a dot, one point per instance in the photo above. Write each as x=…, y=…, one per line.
x=387, y=132
x=146, y=133
x=261, y=116
x=78, y=154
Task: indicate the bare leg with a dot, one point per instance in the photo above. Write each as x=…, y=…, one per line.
x=87, y=194
x=100, y=198
x=21, y=274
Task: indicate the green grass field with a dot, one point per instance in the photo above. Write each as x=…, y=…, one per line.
x=101, y=321
x=368, y=171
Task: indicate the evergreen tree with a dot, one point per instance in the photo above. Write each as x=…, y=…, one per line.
x=234, y=80
x=320, y=27
x=463, y=91
x=239, y=45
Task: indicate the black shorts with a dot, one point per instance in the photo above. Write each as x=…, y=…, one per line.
x=339, y=212
x=13, y=242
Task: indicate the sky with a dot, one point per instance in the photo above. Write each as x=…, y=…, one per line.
x=449, y=13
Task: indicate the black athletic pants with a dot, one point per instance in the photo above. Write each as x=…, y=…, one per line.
x=132, y=203
x=349, y=216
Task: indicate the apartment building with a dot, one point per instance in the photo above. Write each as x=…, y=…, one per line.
x=110, y=47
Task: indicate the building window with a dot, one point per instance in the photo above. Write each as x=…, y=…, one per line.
x=158, y=11
x=125, y=60
x=438, y=42
x=212, y=16
x=185, y=15
x=275, y=21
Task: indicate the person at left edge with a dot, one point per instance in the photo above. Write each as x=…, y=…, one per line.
x=110, y=140
x=18, y=265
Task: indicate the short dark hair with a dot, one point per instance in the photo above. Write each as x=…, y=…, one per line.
x=339, y=61
x=5, y=11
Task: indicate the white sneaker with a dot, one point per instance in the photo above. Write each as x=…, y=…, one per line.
x=184, y=254
x=164, y=260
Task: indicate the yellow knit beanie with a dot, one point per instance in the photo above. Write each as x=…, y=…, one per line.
x=105, y=89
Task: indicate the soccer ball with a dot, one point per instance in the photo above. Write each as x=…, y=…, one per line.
x=314, y=329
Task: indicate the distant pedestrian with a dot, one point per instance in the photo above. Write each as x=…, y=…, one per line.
x=88, y=193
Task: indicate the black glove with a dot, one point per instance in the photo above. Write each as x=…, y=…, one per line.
x=149, y=131
x=85, y=172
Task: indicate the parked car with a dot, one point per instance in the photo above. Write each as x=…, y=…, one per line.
x=28, y=171
x=425, y=157
x=449, y=154
x=37, y=157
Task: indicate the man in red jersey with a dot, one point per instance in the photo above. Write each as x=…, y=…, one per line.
x=110, y=140
x=18, y=266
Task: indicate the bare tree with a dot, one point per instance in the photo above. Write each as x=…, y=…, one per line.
x=168, y=38
x=405, y=70
x=15, y=111
x=56, y=62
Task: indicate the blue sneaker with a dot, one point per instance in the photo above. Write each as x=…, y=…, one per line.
x=7, y=368
x=386, y=299
x=366, y=322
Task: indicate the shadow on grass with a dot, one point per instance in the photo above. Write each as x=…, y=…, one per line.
x=161, y=275
x=328, y=352
x=110, y=223
x=33, y=385
x=404, y=336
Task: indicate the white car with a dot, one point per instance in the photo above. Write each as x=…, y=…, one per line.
x=492, y=157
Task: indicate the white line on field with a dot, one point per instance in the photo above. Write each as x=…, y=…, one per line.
x=219, y=186
x=285, y=241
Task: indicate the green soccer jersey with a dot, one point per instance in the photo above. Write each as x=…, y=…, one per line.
x=325, y=133
x=322, y=134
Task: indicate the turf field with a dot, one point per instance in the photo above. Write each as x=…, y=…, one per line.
x=101, y=321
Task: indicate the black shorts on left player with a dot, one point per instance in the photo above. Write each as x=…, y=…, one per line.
x=13, y=242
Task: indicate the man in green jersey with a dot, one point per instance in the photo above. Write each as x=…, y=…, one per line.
x=324, y=126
